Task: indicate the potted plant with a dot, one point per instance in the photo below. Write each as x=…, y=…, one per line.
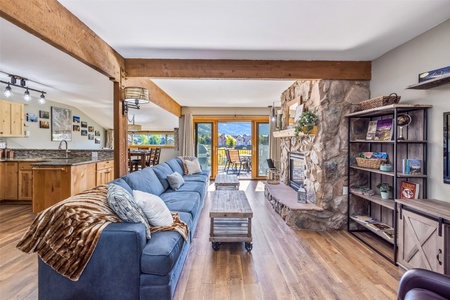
x=306, y=123
x=385, y=190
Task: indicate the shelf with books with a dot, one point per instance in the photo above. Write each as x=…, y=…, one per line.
x=401, y=142
x=372, y=227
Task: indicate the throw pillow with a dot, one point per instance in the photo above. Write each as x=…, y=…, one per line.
x=124, y=205
x=183, y=160
x=175, y=180
x=154, y=209
x=193, y=166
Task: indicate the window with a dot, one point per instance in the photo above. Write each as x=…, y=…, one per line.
x=151, y=138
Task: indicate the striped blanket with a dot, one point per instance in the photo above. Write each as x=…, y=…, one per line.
x=65, y=235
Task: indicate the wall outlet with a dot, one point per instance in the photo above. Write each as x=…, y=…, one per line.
x=2, y=145
x=344, y=190
x=94, y=155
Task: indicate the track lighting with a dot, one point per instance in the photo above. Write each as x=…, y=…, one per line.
x=8, y=93
x=42, y=98
x=23, y=84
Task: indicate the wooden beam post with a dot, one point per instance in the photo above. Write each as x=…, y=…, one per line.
x=248, y=69
x=157, y=95
x=120, y=134
x=53, y=23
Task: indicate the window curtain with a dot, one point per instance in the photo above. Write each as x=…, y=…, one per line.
x=186, y=135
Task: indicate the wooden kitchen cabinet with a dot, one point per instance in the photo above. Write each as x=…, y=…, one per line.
x=2, y=180
x=25, y=181
x=423, y=236
x=52, y=184
x=105, y=172
x=10, y=182
x=11, y=119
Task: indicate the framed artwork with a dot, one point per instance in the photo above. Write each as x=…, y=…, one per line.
x=83, y=124
x=76, y=119
x=91, y=129
x=97, y=140
x=84, y=132
x=298, y=112
x=44, y=114
x=32, y=117
x=44, y=124
x=61, y=124
x=90, y=136
x=76, y=127
x=97, y=133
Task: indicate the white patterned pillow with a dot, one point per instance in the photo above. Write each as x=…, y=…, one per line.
x=154, y=208
x=123, y=204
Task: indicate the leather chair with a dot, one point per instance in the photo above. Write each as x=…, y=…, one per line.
x=418, y=284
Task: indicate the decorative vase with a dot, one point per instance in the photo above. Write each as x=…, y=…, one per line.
x=384, y=195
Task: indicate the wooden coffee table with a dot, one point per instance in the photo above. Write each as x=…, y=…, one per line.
x=224, y=181
x=231, y=219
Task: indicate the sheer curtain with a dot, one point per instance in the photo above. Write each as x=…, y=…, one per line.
x=186, y=135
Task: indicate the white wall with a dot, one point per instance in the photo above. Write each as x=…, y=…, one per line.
x=40, y=138
x=399, y=68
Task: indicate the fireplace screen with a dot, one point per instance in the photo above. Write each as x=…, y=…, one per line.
x=297, y=170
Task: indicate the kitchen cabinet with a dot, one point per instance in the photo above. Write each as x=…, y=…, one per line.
x=10, y=180
x=25, y=181
x=423, y=235
x=104, y=172
x=2, y=180
x=54, y=183
x=11, y=119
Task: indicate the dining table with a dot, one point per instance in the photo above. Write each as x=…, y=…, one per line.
x=141, y=155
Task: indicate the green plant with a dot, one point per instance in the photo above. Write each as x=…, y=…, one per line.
x=306, y=123
x=384, y=187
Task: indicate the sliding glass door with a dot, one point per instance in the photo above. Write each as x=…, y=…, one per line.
x=203, y=142
x=262, y=135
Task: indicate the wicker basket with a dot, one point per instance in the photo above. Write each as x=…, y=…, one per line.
x=379, y=101
x=371, y=163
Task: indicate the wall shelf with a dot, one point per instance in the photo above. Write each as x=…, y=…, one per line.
x=429, y=84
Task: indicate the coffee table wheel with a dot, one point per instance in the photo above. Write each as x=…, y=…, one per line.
x=248, y=246
x=215, y=246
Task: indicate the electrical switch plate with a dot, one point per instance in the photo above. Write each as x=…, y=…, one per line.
x=345, y=190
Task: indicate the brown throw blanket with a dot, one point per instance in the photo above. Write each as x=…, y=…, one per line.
x=65, y=235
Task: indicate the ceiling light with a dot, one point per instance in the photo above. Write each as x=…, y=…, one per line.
x=42, y=98
x=8, y=93
x=26, y=95
x=23, y=84
x=133, y=97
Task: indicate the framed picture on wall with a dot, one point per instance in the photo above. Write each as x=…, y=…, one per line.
x=61, y=124
x=44, y=114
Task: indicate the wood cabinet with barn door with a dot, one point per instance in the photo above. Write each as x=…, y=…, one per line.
x=11, y=119
x=423, y=235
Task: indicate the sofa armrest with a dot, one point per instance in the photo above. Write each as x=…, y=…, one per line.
x=113, y=272
x=424, y=279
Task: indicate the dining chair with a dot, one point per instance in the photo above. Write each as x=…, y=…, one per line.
x=150, y=158
x=236, y=161
x=157, y=155
x=133, y=164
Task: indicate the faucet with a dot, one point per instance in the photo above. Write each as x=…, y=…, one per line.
x=67, y=148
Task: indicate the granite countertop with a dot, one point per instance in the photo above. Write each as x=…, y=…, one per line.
x=52, y=161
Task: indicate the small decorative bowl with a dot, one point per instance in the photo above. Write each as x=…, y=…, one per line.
x=386, y=167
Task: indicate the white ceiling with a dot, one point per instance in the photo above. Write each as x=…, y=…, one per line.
x=211, y=29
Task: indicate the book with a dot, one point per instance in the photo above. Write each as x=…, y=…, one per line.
x=383, y=131
x=412, y=166
x=409, y=190
x=389, y=234
x=371, y=130
x=380, y=226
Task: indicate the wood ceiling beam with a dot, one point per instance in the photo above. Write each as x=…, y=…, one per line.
x=157, y=95
x=53, y=23
x=248, y=69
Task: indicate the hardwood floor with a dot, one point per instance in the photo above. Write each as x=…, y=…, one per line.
x=284, y=263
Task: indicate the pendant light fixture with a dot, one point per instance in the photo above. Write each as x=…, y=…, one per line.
x=23, y=84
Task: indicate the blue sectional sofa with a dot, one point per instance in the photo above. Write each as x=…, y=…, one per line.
x=125, y=265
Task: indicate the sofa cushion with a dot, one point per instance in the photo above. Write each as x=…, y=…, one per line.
x=154, y=208
x=176, y=165
x=190, y=186
x=123, y=204
x=161, y=252
x=175, y=180
x=183, y=202
x=196, y=177
x=162, y=171
x=145, y=180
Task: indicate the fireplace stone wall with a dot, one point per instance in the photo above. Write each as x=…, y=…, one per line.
x=326, y=152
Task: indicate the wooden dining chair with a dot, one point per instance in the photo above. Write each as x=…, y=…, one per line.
x=157, y=155
x=133, y=164
x=150, y=158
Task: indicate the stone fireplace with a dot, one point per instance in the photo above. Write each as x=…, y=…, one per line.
x=324, y=154
x=297, y=170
